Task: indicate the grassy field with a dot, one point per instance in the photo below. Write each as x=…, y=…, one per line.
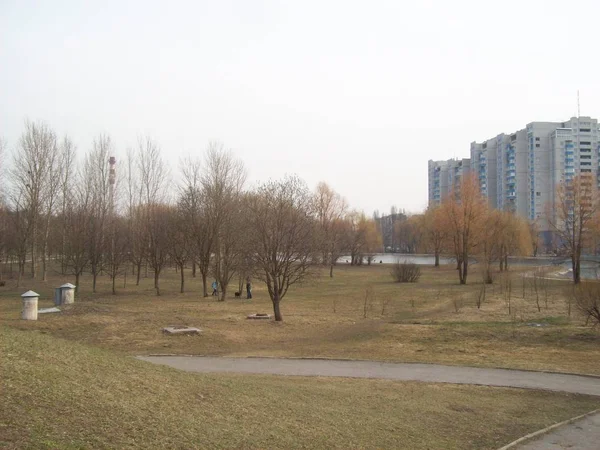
x=435, y=320
x=58, y=394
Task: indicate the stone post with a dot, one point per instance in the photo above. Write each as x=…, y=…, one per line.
x=57, y=296
x=30, y=305
x=67, y=294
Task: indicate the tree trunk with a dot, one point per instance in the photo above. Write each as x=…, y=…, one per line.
x=505, y=262
x=331, y=271
x=114, y=280
x=139, y=272
x=77, y=275
x=437, y=259
x=94, y=278
x=33, y=257
x=193, y=269
x=576, y=269
x=276, y=310
x=156, y=285
x=182, y=288
x=223, y=293
x=204, y=286
x=44, y=266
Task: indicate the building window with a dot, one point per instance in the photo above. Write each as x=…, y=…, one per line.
x=538, y=194
x=537, y=145
x=537, y=138
x=585, y=130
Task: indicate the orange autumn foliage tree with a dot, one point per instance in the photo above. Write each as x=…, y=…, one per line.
x=463, y=214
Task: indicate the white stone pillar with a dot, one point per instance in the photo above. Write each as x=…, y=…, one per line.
x=30, y=305
x=67, y=294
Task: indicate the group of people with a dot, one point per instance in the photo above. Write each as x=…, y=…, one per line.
x=215, y=288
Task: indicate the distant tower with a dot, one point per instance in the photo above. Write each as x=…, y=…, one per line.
x=111, y=181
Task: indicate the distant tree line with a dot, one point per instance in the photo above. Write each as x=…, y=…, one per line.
x=60, y=213
x=63, y=213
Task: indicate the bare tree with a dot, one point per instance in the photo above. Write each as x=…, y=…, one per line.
x=77, y=222
x=117, y=248
x=330, y=210
x=180, y=240
x=192, y=205
x=3, y=210
x=282, y=231
x=33, y=172
x=153, y=176
x=363, y=238
x=574, y=217
x=135, y=221
x=96, y=173
x=67, y=162
x=158, y=231
x=222, y=183
x=20, y=225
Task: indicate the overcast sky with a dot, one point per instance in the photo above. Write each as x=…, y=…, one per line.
x=358, y=94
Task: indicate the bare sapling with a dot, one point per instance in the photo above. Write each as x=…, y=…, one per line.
x=384, y=303
x=507, y=282
x=513, y=322
x=480, y=296
x=536, y=288
x=457, y=301
x=368, y=302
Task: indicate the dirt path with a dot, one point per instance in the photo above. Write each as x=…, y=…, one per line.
x=433, y=373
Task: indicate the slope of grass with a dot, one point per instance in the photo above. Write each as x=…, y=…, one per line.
x=64, y=395
x=434, y=320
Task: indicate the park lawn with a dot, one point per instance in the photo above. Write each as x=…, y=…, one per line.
x=60, y=394
x=434, y=320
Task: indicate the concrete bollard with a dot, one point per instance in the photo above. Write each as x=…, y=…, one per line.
x=67, y=294
x=57, y=295
x=30, y=305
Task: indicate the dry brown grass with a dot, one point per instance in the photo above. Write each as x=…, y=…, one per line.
x=419, y=321
x=58, y=394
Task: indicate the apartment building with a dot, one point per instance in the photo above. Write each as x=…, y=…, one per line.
x=519, y=172
x=444, y=176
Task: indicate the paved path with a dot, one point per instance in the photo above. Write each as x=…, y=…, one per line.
x=393, y=371
x=583, y=434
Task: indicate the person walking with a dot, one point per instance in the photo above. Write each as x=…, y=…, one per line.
x=214, y=287
x=248, y=288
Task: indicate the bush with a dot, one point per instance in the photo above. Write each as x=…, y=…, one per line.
x=587, y=301
x=406, y=272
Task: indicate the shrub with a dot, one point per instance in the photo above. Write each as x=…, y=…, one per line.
x=406, y=272
x=587, y=301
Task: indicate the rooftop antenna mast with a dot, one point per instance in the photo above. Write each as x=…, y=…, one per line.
x=578, y=105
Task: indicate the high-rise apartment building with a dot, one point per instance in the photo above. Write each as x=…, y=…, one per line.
x=520, y=171
x=444, y=176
